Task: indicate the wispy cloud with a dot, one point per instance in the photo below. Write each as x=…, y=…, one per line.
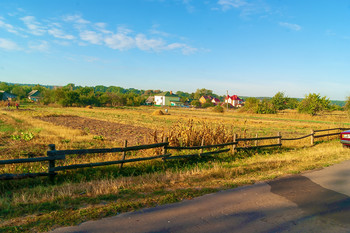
x=189, y=7
x=7, y=27
x=245, y=7
x=120, y=40
x=8, y=44
x=75, y=19
x=91, y=36
x=83, y=32
x=185, y=49
x=154, y=30
x=101, y=27
x=58, y=33
x=291, y=26
x=148, y=44
x=41, y=46
x=34, y=27
x=228, y=4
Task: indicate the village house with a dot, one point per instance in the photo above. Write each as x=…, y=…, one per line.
x=233, y=101
x=150, y=100
x=205, y=98
x=167, y=99
x=34, y=95
x=7, y=96
x=215, y=101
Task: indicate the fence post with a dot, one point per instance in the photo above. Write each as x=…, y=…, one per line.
x=256, y=141
x=234, y=145
x=165, y=150
x=328, y=134
x=124, y=153
x=279, y=141
x=312, y=137
x=202, y=144
x=52, y=173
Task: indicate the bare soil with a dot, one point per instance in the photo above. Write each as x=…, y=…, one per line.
x=109, y=130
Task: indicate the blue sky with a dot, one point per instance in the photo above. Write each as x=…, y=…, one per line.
x=250, y=48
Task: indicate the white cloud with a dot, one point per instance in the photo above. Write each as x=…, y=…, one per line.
x=42, y=46
x=91, y=36
x=120, y=40
x=58, y=33
x=185, y=49
x=102, y=28
x=148, y=44
x=34, y=27
x=8, y=44
x=290, y=26
x=228, y=4
x=90, y=59
x=155, y=31
x=246, y=8
x=86, y=33
x=7, y=27
x=76, y=19
x=63, y=43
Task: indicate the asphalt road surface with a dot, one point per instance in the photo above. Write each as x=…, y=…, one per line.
x=317, y=201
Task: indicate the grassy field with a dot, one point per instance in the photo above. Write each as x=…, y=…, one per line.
x=35, y=205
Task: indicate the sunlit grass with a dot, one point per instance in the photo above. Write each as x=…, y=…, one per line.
x=83, y=194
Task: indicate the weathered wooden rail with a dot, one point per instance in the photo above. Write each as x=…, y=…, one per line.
x=53, y=154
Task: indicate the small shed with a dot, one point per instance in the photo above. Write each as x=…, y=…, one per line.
x=34, y=95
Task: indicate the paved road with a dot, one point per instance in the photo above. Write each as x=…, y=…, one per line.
x=316, y=201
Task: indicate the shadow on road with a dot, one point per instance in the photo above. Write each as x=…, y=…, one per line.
x=313, y=199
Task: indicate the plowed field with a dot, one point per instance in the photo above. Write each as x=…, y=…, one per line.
x=109, y=130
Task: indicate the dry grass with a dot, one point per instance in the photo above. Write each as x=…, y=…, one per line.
x=96, y=191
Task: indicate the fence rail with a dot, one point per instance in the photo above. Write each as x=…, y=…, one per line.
x=53, y=154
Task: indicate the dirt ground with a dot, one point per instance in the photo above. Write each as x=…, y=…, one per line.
x=109, y=130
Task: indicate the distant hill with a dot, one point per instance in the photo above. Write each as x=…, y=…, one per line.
x=32, y=85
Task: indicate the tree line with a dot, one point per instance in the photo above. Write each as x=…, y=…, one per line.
x=113, y=96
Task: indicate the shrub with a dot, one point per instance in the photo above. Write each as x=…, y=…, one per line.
x=314, y=103
x=218, y=108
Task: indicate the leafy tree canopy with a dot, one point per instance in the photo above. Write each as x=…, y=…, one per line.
x=313, y=103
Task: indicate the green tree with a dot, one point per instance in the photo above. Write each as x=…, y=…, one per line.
x=20, y=91
x=266, y=107
x=4, y=87
x=196, y=103
x=313, y=103
x=279, y=101
x=200, y=92
x=292, y=103
x=251, y=104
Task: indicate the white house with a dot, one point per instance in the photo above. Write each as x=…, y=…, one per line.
x=234, y=101
x=166, y=98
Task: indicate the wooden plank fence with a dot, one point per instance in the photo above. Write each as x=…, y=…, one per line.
x=53, y=154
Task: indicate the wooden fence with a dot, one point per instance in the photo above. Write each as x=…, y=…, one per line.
x=53, y=154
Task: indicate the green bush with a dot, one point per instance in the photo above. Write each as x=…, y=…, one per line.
x=218, y=108
x=314, y=103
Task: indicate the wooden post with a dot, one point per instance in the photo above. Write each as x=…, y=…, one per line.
x=256, y=141
x=124, y=153
x=279, y=139
x=328, y=134
x=52, y=173
x=165, y=150
x=202, y=144
x=234, y=145
x=312, y=137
